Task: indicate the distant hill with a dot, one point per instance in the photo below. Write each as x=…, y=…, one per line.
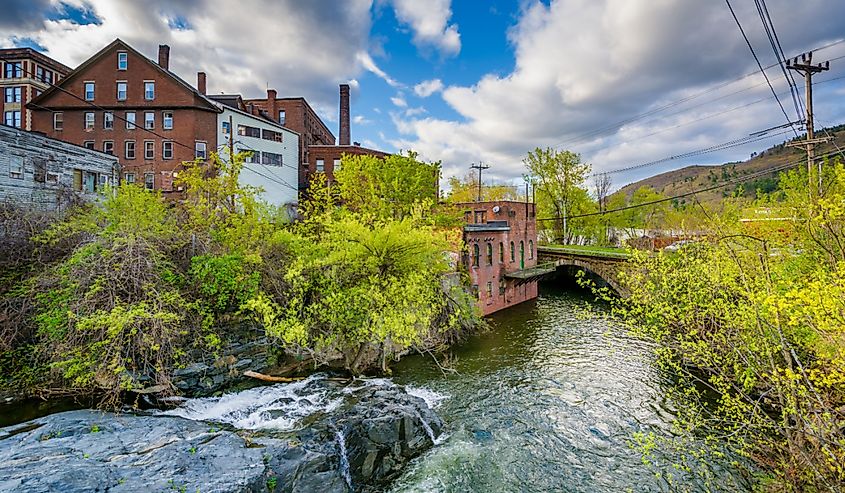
x=697, y=177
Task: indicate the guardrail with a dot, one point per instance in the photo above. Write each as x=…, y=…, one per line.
x=584, y=252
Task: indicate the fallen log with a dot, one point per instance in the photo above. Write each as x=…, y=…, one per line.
x=271, y=378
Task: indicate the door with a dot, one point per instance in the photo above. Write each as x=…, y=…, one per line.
x=521, y=254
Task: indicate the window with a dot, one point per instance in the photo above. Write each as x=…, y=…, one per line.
x=226, y=128
x=16, y=167
x=489, y=253
x=89, y=120
x=271, y=159
x=336, y=165
x=199, y=150
x=77, y=179
x=51, y=178
x=167, y=149
x=149, y=90
x=476, y=255
x=321, y=166
x=129, y=149
x=522, y=254
x=149, y=149
x=121, y=90
x=47, y=76
x=13, y=95
x=12, y=118
x=129, y=177
x=282, y=117
x=252, y=157
x=167, y=120
x=89, y=91
x=88, y=144
x=149, y=181
x=513, y=257
x=122, y=63
x=130, y=120
x=108, y=120
x=249, y=131
x=271, y=135
x=149, y=120
x=58, y=120
x=489, y=289
x=104, y=180
x=108, y=147
x=14, y=70
x=501, y=253
x=39, y=73
x=530, y=248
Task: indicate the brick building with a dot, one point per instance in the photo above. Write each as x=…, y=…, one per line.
x=37, y=172
x=501, y=241
x=297, y=115
x=122, y=103
x=25, y=74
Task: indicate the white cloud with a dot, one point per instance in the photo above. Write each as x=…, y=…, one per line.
x=429, y=21
x=419, y=110
x=399, y=101
x=360, y=120
x=369, y=65
x=428, y=87
x=584, y=64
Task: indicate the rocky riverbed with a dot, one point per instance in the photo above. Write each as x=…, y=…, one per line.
x=314, y=435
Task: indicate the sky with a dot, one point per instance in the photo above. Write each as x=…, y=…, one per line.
x=621, y=82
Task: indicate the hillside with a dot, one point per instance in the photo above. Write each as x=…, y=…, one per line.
x=697, y=177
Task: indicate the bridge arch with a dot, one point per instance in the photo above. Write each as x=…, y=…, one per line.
x=604, y=275
x=604, y=266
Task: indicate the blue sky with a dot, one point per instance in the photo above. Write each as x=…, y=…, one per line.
x=467, y=81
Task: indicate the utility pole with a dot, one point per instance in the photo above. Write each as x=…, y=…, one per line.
x=806, y=66
x=231, y=142
x=480, y=167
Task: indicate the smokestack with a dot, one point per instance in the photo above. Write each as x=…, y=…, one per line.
x=201, y=82
x=271, y=104
x=344, y=114
x=164, y=57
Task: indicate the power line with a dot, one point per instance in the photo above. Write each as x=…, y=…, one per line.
x=757, y=174
x=774, y=42
x=756, y=59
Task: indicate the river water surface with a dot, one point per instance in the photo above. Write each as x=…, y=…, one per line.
x=549, y=400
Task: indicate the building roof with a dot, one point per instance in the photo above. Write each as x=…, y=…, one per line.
x=263, y=118
x=230, y=100
x=10, y=130
x=119, y=43
x=17, y=53
x=356, y=148
x=307, y=107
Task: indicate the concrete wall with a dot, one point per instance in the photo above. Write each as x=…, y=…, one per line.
x=47, y=182
x=280, y=183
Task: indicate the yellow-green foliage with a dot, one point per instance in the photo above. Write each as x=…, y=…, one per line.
x=756, y=318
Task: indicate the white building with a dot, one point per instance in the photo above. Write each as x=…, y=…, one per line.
x=274, y=163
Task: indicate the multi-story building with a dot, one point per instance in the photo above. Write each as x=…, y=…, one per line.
x=273, y=163
x=122, y=103
x=501, y=241
x=297, y=115
x=37, y=172
x=25, y=74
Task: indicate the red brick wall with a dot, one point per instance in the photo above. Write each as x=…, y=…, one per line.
x=329, y=153
x=522, y=229
x=191, y=120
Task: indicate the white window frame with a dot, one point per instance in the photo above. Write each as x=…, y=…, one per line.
x=150, y=96
x=51, y=178
x=149, y=150
x=282, y=117
x=126, y=149
x=89, y=125
x=335, y=165
x=167, y=149
x=106, y=143
x=320, y=165
x=85, y=90
x=153, y=184
x=130, y=120
x=165, y=118
x=16, y=168
x=125, y=90
x=150, y=120
x=89, y=144
x=108, y=120
x=15, y=118
x=58, y=120
x=122, y=59
x=200, y=144
x=129, y=177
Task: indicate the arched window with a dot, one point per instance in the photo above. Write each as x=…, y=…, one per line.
x=501, y=252
x=489, y=253
x=476, y=253
x=513, y=256
x=530, y=248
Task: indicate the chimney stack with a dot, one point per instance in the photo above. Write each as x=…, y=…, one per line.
x=271, y=104
x=201, y=82
x=164, y=57
x=344, y=114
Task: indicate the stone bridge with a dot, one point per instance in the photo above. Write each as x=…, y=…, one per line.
x=604, y=264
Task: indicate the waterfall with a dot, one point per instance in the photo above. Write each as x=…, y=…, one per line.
x=344, y=460
x=428, y=430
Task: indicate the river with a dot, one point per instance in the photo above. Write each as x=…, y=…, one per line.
x=549, y=400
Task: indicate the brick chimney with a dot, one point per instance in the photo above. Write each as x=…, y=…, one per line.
x=271, y=104
x=164, y=57
x=344, y=114
x=201, y=82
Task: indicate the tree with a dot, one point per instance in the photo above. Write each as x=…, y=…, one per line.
x=559, y=177
x=465, y=189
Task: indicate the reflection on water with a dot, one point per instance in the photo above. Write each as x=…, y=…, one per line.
x=546, y=401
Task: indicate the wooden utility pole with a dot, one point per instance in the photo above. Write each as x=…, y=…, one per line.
x=808, y=69
x=231, y=142
x=480, y=167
